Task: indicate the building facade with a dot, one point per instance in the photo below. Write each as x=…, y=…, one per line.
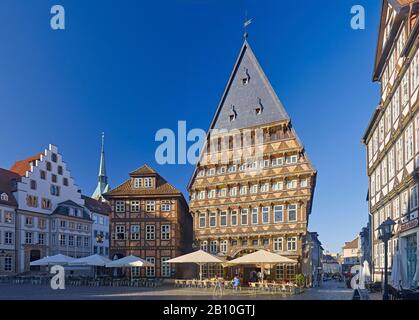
x=99, y=212
x=253, y=186
x=330, y=264
x=50, y=215
x=350, y=255
x=8, y=205
x=312, y=262
x=392, y=137
x=364, y=241
x=149, y=219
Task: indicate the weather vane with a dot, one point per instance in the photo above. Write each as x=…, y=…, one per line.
x=247, y=22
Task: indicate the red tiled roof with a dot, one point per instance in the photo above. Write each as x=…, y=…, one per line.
x=144, y=170
x=7, y=186
x=162, y=186
x=96, y=205
x=351, y=245
x=20, y=167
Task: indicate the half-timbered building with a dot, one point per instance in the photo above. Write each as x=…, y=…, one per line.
x=149, y=219
x=392, y=137
x=253, y=186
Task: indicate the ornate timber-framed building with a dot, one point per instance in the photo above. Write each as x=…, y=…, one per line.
x=392, y=137
x=150, y=219
x=253, y=187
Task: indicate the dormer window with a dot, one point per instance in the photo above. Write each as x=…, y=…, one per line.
x=246, y=78
x=148, y=182
x=137, y=183
x=233, y=114
x=259, y=108
x=4, y=197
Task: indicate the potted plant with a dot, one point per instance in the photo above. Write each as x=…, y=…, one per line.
x=300, y=280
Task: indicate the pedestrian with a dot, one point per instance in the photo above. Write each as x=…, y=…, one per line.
x=218, y=285
x=259, y=276
x=236, y=283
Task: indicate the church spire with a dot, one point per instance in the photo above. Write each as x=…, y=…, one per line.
x=102, y=168
x=102, y=185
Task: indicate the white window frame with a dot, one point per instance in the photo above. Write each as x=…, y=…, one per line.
x=296, y=212
x=150, y=232
x=278, y=209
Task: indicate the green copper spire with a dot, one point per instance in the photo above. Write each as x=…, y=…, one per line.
x=102, y=185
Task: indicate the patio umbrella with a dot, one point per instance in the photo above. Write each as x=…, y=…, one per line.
x=93, y=260
x=397, y=274
x=130, y=261
x=58, y=259
x=364, y=274
x=199, y=257
x=264, y=258
x=416, y=277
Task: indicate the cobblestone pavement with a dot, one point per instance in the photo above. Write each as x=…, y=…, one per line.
x=330, y=290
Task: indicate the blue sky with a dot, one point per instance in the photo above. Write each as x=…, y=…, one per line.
x=132, y=67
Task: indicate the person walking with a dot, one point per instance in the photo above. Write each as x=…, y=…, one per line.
x=218, y=285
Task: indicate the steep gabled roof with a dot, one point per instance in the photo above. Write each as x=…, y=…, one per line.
x=162, y=186
x=7, y=186
x=22, y=166
x=242, y=100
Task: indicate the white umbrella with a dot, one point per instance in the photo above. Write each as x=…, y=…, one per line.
x=416, y=277
x=130, y=261
x=397, y=274
x=199, y=257
x=58, y=259
x=93, y=260
x=366, y=269
x=263, y=258
x=364, y=274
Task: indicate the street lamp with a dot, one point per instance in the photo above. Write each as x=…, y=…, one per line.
x=385, y=232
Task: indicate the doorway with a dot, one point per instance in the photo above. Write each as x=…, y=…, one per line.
x=33, y=256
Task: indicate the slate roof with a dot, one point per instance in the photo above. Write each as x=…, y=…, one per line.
x=96, y=205
x=20, y=167
x=246, y=98
x=162, y=186
x=63, y=209
x=7, y=186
